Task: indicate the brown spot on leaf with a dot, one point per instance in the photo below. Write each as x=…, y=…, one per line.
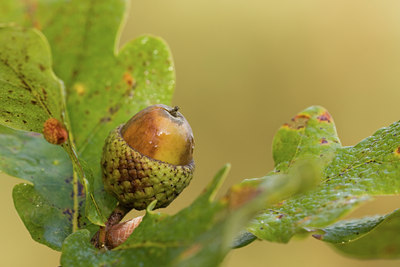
x=41, y=67
x=44, y=93
x=323, y=141
x=240, y=195
x=325, y=117
x=298, y=122
x=128, y=79
x=397, y=151
x=390, y=249
x=113, y=110
x=33, y=102
x=105, y=119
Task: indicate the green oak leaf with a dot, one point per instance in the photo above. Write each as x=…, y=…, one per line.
x=350, y=175
x=105, y=86
x=30, y=93
x=199, y=235
x=367, y=238
x=310, y=134
x=46, y=207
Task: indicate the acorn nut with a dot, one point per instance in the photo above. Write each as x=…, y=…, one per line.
x=150, y=157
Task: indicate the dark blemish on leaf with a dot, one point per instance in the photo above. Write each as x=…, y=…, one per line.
x=26, y=58
x=68, y=180
x=298, y=122
x=41, y=67
x=113, y=110
x=7, y=121
x=105, y=119
x=44, y=92
x=74, y=73
x=323, y=141
x=87, y=112
x=24, y=121
x=69, y=213
x=280, y=216
x=10, y=91
x=325, y=117
x=33, y=102
x=81, y=191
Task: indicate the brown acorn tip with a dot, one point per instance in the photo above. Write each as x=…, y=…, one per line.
x=54, y=132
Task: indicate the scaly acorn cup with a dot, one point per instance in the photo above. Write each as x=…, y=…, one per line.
x=150, y=157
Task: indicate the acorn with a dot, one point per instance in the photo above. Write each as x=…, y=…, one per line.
x=149, y=158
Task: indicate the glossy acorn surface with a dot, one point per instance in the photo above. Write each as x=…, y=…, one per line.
x=148, y=158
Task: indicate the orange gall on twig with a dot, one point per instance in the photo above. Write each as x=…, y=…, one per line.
x=54, y=132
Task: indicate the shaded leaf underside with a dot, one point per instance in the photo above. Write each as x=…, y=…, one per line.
x=367, y=238
x=46, y=208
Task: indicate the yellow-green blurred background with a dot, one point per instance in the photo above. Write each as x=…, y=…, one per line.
x=243, y=68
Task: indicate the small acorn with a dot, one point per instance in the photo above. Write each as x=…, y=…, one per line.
x=150, y=157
